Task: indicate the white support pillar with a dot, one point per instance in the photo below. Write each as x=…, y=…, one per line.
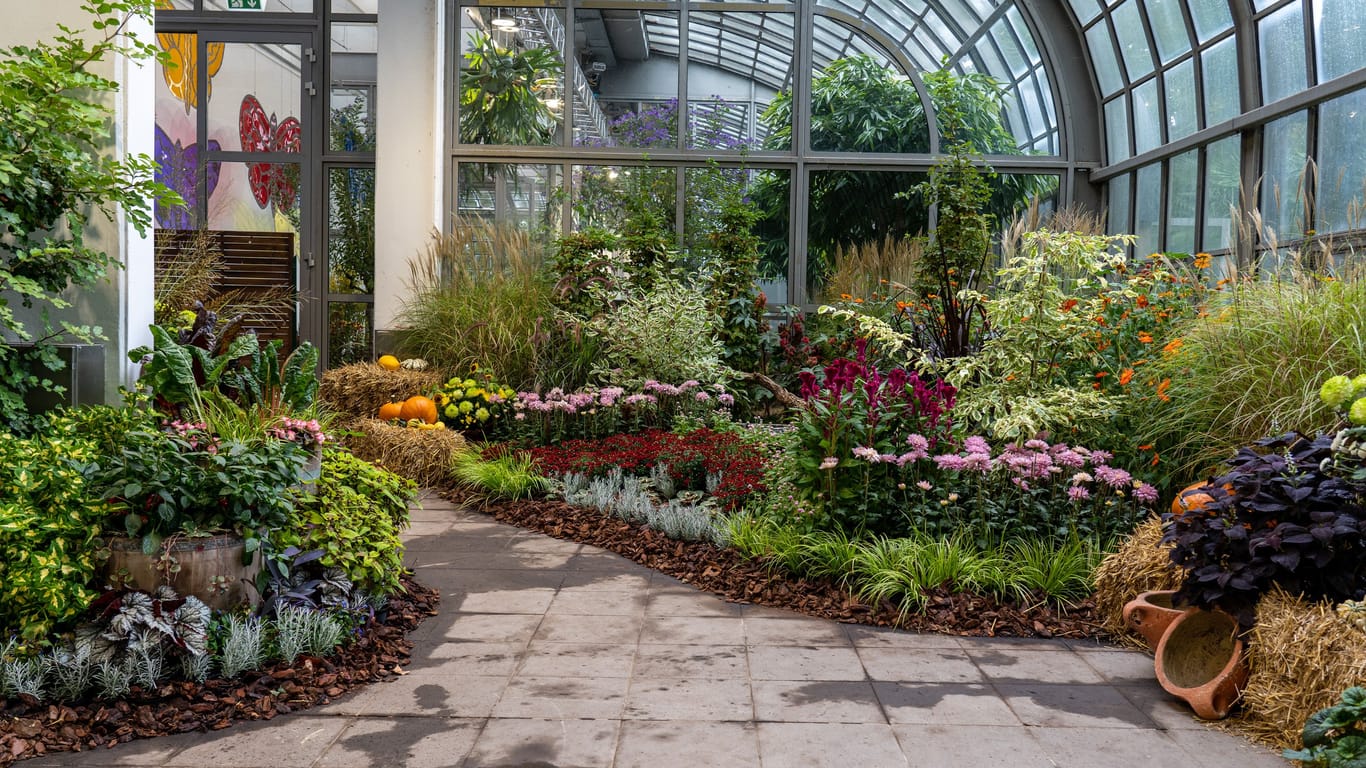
x=409, y=157
x=135, y=113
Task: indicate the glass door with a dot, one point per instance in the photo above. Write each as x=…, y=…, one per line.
x=238, y=137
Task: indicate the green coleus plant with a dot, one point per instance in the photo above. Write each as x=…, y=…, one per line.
x=1335, y=737
x=49, y=531
x=354, y=520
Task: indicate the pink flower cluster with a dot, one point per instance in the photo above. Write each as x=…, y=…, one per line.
x=195, y=434
x=306, y=433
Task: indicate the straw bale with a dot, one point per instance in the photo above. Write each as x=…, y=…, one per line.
x=1140, y=564
x=1302, y=656
x=359, y=390
x=421, y=455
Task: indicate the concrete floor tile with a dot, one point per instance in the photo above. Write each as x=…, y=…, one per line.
x=978, y=746
x=545, y=545
x=563, y=698
x=685, y=699
x=776, y=662
x=1215, y=749
x=484, y=659
x=1073, y=706
x=565, y=628
x=782, y=701
x=880, y=637
x=422, y=694
x=1013, y=665
x=417, y=530
x=413, y=742
x=931, y=665
x=1125, y=668
x=546, y=659
x=695, y=661
x=1022, y=643
x=837, y=745
x=692, y=630
x=445, y=574
x=493, y=628
x=143, y=753
x=597, y=603
x=540, y=742
x=691, y=603
x=1164, y=709
x=587, y=581
x=649, y=744
x=293, y=742
x=794, y=631
x=533, y=601
x=943, y=704
x=509, y=560
x=1111, y=748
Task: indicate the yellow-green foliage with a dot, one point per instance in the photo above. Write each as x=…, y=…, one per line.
x=355, y=519
x=49, y=532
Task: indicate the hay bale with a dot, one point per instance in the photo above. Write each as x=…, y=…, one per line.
x=1141, y=564
x=359, y=390
x=1302, y=656
x=421, y=455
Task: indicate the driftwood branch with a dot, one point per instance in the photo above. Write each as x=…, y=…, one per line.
x=787, y=399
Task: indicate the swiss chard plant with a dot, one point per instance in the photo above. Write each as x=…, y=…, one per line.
x=1335, y=737
x=1281, y=516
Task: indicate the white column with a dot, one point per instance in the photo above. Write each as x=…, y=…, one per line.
x=135, y=112
x=409, y=156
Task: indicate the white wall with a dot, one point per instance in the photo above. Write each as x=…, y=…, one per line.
x=121, y=303
x=409, y=155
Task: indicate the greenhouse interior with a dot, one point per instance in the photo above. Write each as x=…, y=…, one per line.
x=683, y=382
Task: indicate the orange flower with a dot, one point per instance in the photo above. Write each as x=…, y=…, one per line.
x=1102, y=374
x=1202, y=261
x=1162, y=390
x=1145, y=337
x=845, y=296
x=1142, y=301
x=1068, y=305
x=1172, y=346
x=1126, y=376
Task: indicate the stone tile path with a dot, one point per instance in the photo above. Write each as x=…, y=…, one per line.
x=552, y=654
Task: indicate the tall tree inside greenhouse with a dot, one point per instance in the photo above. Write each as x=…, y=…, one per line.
x=54, y=174
x=862, y=104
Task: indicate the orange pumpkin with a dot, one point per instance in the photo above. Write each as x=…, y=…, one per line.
x=390, y=411
x=1193, y=499
x=419, y=407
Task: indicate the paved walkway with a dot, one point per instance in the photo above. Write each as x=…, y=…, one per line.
x=549, y=654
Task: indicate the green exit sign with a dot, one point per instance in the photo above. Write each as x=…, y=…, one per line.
x=246, y=5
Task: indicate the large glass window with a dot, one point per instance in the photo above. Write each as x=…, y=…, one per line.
x=1223, y=160
x=1342, y=162
x=1284, y=158
x=1281, y=38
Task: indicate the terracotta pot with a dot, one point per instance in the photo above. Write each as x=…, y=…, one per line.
x=1201, y=660
x=200, y=560
x=1150, y=614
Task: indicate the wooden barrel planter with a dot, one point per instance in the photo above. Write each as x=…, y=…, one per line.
x=210, y=569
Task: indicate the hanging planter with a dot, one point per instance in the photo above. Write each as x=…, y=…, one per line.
x=1201, y=660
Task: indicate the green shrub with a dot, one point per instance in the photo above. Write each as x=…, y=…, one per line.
x=355, y=519
x=49, y=531
x=1252, y=367
x=665, y=333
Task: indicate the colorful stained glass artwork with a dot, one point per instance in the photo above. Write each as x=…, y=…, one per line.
x=182, y=69
x=259, y=133
x=176, y=168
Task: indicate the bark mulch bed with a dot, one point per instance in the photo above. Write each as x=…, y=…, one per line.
x=29, y=728
x=728, y=574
